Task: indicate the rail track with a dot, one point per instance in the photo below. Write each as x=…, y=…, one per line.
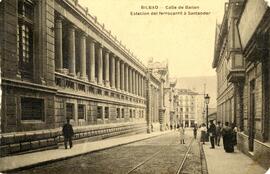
x=180, y=167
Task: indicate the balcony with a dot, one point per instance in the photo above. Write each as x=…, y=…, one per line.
x=68, y=85
x=236, y=68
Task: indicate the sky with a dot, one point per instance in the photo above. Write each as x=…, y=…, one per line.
x=186, y=41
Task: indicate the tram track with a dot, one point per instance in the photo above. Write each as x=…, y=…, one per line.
x=151, y=157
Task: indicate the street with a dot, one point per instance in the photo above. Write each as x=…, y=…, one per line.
x=162, y=154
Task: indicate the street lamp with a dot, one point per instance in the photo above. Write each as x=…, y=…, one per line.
x=206, y=100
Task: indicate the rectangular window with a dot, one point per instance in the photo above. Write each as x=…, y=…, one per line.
x=134, y=113
x=81, y=87
x=81, y=111
x=130, y=113
x=99, y=112
x=32, y=109
x=107, y=112
x=123, y=113
x=117, y=112
x=25, y=38
x=70, y=110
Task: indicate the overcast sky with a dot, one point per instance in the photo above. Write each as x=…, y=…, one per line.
x=186, y=41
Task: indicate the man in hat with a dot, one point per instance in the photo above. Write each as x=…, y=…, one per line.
x=68, y=133
x=212, y=133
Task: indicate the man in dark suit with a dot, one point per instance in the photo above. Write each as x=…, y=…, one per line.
x=212, y=134
x=68, y=133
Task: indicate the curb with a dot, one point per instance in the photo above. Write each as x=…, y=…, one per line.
x=204, y=169
x=68, y=157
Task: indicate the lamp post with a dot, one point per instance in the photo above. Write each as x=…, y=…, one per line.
x=206, y=100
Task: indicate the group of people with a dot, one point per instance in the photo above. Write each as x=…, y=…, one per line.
x=214, y=133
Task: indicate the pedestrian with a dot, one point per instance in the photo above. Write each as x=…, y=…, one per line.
x=203, y=133
x=68, y=133
x=195, y=128
x=227, y=135
x=212, y=133
x=218, y=133
x=234, y=132
x=182, y=134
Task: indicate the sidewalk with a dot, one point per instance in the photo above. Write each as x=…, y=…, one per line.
x=220, y=162
x=38, y=158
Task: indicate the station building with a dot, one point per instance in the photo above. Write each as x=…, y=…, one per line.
x=59, y=62
x=241, y=60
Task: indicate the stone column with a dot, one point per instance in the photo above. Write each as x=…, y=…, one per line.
x=117, y=74
x=107, y=68
x=58, y=44
x=83, y=56
x=126, y=78
x=100, y=65
x=130, y=79
x=71, y=50
x=92, y=62
x=113, y=71
x=142, y=86
x=122, y=75
x=132, y=82
x=139, y=84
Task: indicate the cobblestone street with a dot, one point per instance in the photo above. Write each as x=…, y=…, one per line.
x=162, y=154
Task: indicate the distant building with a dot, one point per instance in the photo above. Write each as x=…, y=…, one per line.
x=160, y=71
x=189, y=108
x=212, y=114
x=242, y=62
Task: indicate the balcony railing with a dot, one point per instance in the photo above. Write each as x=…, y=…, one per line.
x=72, y=85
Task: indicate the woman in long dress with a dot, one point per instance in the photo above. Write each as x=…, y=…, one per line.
x=182, y=134
x=203, y=133
x=227, y=134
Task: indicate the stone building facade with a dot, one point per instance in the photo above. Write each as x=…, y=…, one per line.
x=160, y=78
x=189, y=107
x=59, y=62
x=243, y=42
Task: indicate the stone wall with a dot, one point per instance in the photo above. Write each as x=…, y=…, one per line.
x=261, y=151
x=14, y=143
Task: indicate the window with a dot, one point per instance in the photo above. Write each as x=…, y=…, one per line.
x=107, y=112
x=186, y=116
x=81, y=111
x=25, y=38
x=70, y=84
x=123, y=113
x=81, y=87
x=130, y=113
x=70, y=110
x=99, y=112
x=32, y=109
x=134, y=113
x=117, y=112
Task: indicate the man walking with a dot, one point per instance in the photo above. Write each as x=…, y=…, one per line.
x=68, y=133
x=195, y=131
x=218, y=133
x=212, y=133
